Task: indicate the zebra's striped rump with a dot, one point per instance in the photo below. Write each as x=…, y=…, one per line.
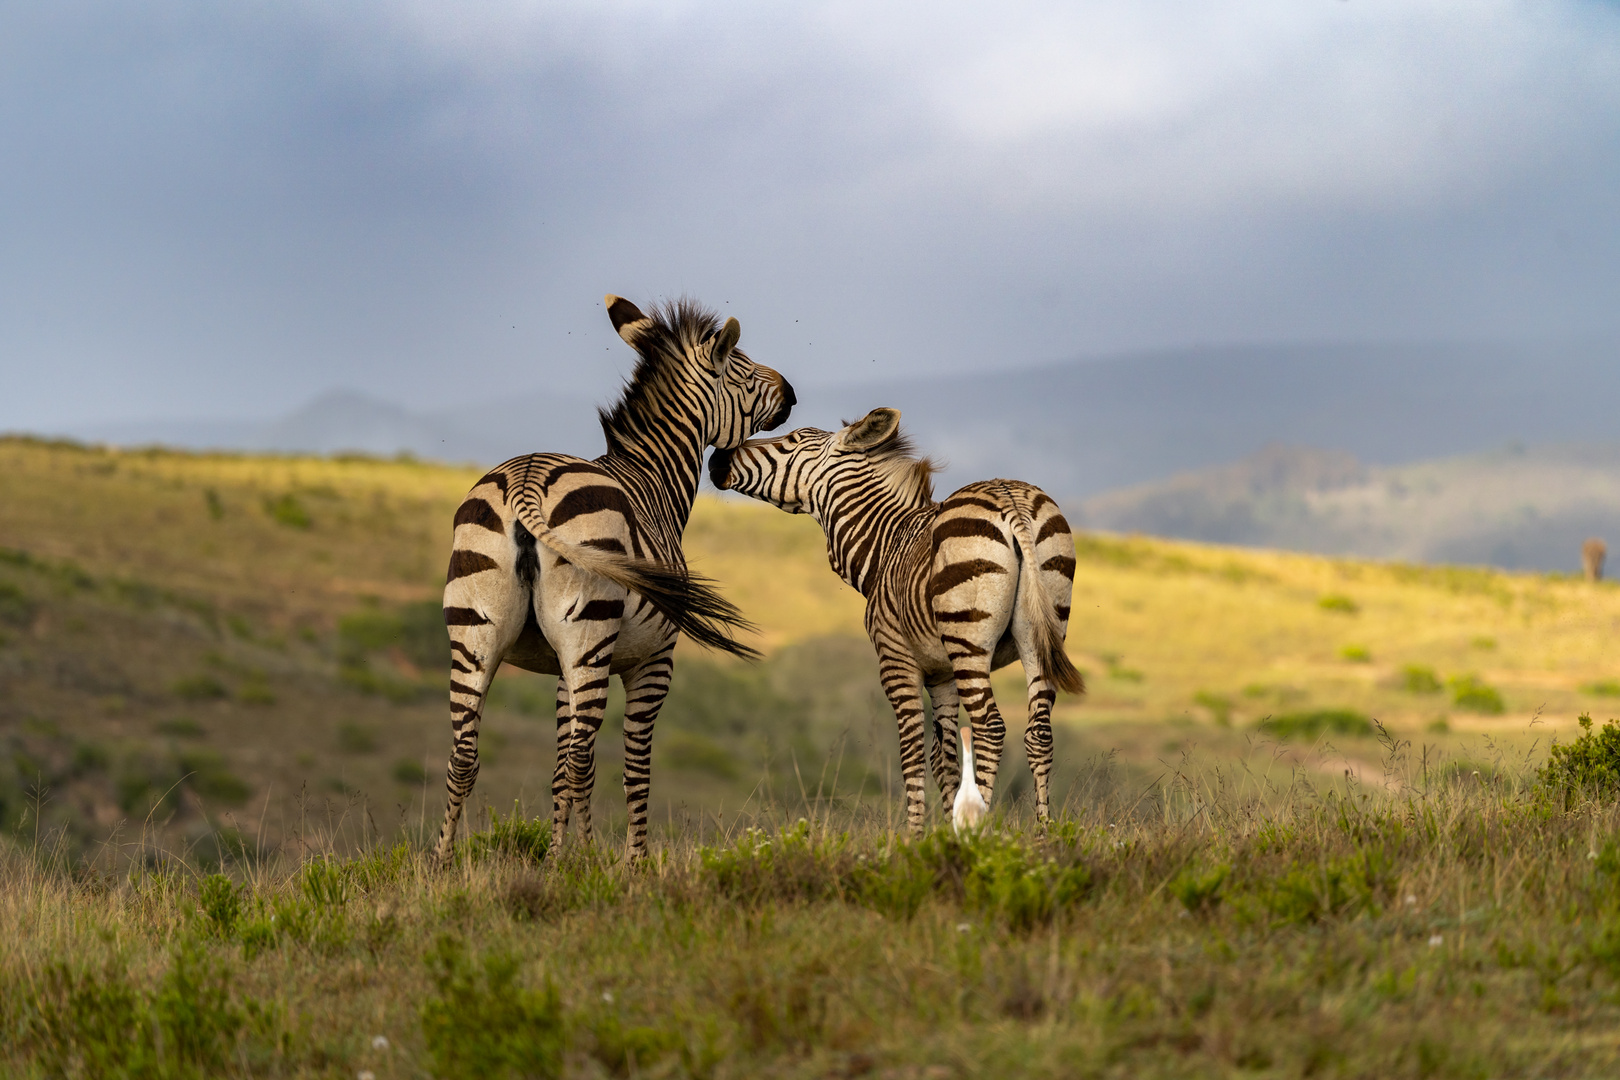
x=574, y=567
x=954, y=589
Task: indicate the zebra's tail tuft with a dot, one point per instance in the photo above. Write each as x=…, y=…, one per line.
x=1054, y=659
x=688, y=600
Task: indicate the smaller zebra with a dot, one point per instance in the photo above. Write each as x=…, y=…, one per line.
x=954, y=590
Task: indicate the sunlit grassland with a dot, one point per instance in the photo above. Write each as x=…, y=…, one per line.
x=271, y=619
x=1217, y=925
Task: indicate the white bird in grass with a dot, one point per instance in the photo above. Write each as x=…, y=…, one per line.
x=969, y=810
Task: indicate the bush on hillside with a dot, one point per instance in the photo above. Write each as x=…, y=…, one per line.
x=1472, y=694
x=1312, y=723
x=1590, y=764
x=1417, y=679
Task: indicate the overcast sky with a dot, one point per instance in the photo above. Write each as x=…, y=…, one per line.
x=224, y=209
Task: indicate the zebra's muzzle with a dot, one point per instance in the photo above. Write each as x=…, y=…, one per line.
x=720, y=468
x=789, y=399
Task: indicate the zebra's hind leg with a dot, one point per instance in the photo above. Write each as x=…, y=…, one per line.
x=471, y=671
x=944, y=755
x=989, y=730
x=1038, y=743
x=560, y=804
x=645, y=689
x=587, y=703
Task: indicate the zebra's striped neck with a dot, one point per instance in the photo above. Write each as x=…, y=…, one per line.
x=866, y=533
x=656, y=441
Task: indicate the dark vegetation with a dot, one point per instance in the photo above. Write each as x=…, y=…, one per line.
x=1199, y=928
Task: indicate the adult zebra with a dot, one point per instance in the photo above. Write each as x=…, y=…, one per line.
x=574, y=568
x=954, y=590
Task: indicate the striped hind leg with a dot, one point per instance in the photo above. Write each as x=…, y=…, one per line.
x=473, y=661
x=645, y=689
x=989, y=730
x=1038, y=741
x=587, y=681
x=560, y=803
x=943, y=755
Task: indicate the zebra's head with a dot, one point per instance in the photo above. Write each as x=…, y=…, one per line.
x=807, y=470
x=732, y=397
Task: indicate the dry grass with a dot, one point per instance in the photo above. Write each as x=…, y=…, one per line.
x=1222, y=922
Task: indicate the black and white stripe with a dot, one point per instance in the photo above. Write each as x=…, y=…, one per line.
x=954, y=590
x=574, y=568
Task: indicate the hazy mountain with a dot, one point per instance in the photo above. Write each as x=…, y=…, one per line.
x=1515, y=507
x=1085, y=427
x=346, y=420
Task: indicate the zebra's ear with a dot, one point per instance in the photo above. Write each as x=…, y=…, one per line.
x=625, y=316
x=724, y=342
x=872, y=430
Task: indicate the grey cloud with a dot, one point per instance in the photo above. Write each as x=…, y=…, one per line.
x=216, y=210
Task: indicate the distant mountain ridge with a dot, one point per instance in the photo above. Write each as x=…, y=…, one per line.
x=1515, y=507
x=1085, y=427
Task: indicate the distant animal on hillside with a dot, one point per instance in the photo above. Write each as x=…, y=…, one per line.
x=954, y=590
x=1593, y=554
x=574, y=568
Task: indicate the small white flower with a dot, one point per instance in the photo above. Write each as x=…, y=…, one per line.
x=962, y=927
x=379, y=1042
x=365, y=1074
x=1435, y=941
x=1411, y=901
x=1591, y=854
x=607, y=996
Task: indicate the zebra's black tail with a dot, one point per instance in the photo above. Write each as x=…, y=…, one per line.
x=688, y=600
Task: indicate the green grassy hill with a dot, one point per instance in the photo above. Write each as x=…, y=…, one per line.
x=223, y=725
x=193, y=643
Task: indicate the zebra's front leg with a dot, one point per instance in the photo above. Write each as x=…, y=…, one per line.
x=645, y=689
x=944, y=754
x=902, y=679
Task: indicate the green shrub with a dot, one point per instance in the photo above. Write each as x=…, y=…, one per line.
x=356, y=739
x=1339, y=603
x=202, y=687
x=482, y=1023
x=409, y=771
x=1200, y=890
x=1603, y=688
x=1356, y=654
x=1219, y=706
x=1417, y=679
x=181, y=728
x=1312, y=723
x=208, y=776
x=98, y=1024
x=287, y=510
x=1590, y=764
x=255, y=690
x=219, y=901
x=1470, y=693
x=16, y=609
x=524, y=838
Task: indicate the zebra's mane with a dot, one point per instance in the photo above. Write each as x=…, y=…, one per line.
x=663, y=351
x=902, y=471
